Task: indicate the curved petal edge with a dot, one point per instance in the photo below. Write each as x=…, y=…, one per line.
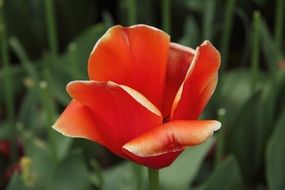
x=198, y=85
x=171, y=137
x=78, y=121
x=121, y=112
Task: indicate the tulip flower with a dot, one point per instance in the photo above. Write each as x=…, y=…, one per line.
x=4, y=148
x=144, y=96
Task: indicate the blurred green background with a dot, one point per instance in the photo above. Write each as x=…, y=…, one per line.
x=46, y=43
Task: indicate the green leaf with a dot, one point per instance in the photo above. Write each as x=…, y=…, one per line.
x=191, y=33
x=73, y=16
x=5, y=131
x=280, y=94
x=275, y=156
x=16, y=183
x=271, y=53
x=72, y=173
x=234, y=91
x=63, y=145
x=73, y=64
x=57, y=76
x=25, y=20
x=226, y=176
x=245, y=138
x=261, y=2
x=85, y=43
x=183, y=170
x=209, y=15
x=195, y=5
x=28, y=113
x=120, y=178
x=42, y=164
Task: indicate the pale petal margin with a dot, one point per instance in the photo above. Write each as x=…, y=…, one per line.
x=171, y=137
x=198, y=85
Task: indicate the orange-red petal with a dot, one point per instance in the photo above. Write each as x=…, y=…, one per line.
x=121, y=112
x=171, y=137
x=78, y=120
x=199, y=84
x=179, y=59
x=133, y=56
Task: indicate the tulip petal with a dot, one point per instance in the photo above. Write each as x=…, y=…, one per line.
x=171, y=137
x=199, y=84
x=78, y=120
x=179, y=59
x=132, y=56
x=121, y=112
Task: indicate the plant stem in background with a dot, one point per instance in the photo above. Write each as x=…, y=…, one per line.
x=73, y=59
x=227, y=27
x=27, y=65
x=153, y=178
x=279, y=21
x=41, y=88
x=209, y=15
x=51, y=27
x=255, y=49
x=132, y=17
x=8, y=85
x=166, y=16
x=138, y=170
x=48, y=105
x=220, y=143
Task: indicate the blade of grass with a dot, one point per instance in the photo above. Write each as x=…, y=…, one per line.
x=41, y=88
x=48, y=105
x=247, y=25
x=227, y=27
x=8, y=85
x=208, y=19
x=279, y=22
x=166, y=16
x=220, y=137
x=255, y=49
x=271, y=53
x=132, y=17
x=73, y=59
x=269, y=48
x=19, y=50
x=51, y=27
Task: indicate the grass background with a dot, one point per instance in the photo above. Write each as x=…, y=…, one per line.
x=46, y=43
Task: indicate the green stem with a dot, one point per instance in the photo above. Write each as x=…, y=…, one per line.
x=132, y=17
x=153, y=178
x=255, y=49
x=220, y=138
x=73, y=59
x=227, y=31
x=209, y=16
x=41, y=88
x=138, y=170
x=279, y=21
x=8, y=85
x=20, y=52
x=166, y=16
x=51, y=26
x=48, y=105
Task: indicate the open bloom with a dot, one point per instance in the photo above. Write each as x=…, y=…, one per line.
x=144, y=96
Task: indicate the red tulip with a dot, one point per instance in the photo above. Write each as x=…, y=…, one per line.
x=144, y=96
x=4, y=148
